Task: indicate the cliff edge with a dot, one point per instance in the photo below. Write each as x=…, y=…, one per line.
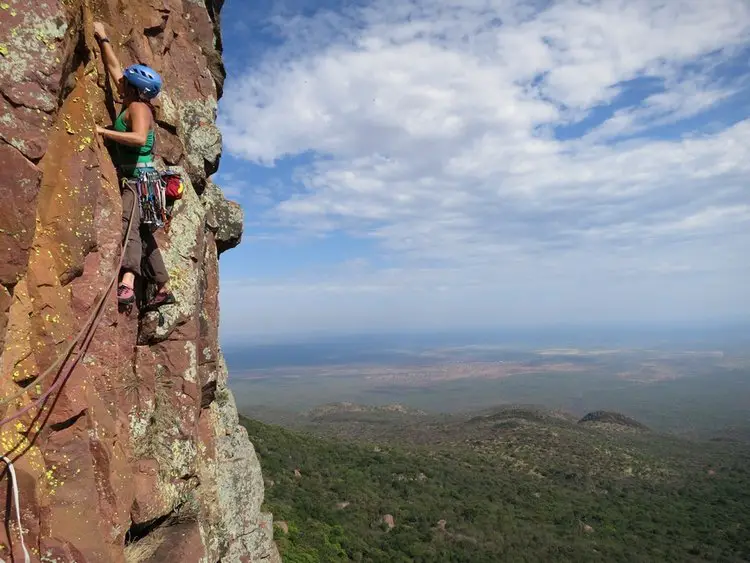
x=138, y=456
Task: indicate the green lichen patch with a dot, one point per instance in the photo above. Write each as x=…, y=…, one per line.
x=197, y=121
x=32, y=45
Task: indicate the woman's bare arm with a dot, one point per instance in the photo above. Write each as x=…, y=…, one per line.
x=111, y=62
x=140, y=124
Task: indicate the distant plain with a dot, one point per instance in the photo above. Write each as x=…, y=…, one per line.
x=688, y=382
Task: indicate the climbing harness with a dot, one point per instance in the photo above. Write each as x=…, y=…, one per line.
x=82, y=339
x=14, y=485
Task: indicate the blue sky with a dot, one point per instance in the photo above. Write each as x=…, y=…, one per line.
x=461, y=164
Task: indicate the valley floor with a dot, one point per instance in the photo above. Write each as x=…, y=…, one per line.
x=508, y=485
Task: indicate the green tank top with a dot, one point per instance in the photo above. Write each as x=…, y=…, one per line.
x=125, y=155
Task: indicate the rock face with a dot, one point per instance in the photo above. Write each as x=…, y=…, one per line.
x=139, y=456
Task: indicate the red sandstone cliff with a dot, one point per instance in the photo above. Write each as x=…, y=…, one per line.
x=139, y=457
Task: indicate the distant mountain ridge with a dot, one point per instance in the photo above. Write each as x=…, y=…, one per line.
x=340, y=408
x=396, y=421
x=523, y=412
x=616, y=418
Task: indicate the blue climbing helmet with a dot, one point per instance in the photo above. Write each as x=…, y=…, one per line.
x=145, y=79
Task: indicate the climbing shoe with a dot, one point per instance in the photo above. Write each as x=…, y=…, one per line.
x=125, y=295
x=161, y=298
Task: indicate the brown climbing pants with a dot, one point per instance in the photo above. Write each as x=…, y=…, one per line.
x=141, y=245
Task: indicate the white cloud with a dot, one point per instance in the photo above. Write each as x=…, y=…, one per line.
x=434, y=123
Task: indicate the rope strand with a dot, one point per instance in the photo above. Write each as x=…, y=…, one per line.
x=84, y=334
x=14, y=485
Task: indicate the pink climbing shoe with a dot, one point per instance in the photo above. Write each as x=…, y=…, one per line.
x=161, y=298
x=125, y=295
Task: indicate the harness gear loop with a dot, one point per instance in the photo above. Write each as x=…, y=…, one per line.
x=14, y=485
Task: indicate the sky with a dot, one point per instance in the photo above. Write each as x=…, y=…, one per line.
x=429, y=165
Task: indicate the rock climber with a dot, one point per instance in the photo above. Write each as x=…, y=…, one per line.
x=133, y=138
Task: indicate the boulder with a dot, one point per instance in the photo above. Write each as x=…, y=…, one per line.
x=389, y=521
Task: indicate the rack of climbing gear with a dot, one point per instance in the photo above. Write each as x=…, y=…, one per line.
x=151, y=198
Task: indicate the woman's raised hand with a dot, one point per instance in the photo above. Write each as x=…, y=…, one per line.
x=99, y=30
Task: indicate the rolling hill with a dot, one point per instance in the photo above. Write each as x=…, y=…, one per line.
x=507, y=484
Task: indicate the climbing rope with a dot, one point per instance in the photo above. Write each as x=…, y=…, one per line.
x=14, y=484
x=84, y=337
